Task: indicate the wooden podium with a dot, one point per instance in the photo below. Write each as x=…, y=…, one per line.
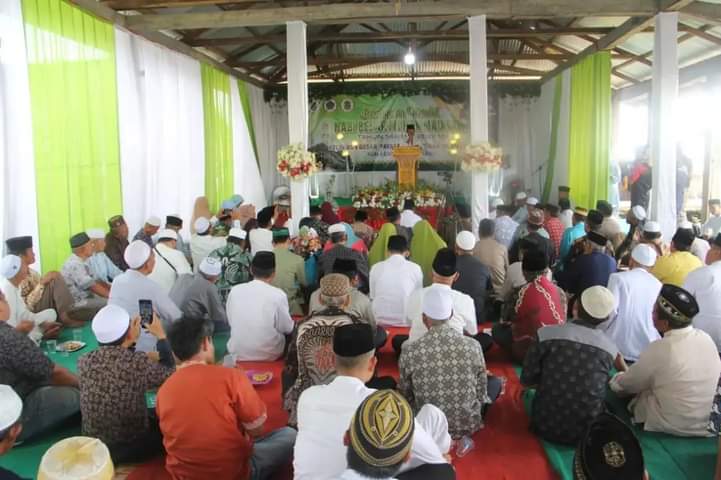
x=407, y=157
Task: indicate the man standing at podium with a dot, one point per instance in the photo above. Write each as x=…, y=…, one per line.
x=411, y=131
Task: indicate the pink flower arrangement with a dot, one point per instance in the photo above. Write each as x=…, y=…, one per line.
x=296, y=162
x=482, y=157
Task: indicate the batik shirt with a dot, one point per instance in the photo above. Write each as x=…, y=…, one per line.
x=570, y=366
x=113, y=382
x=78, y=276
x=31, y=289
x=446, y=369
x=236, y=268
x=505, y=228
x=23, y=365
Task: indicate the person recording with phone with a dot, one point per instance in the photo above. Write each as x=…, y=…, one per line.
x=114, y=380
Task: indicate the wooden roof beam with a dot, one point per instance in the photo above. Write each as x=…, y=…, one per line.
x=105, y=13
x=705, y=12
x=619, y=35
x=378, y=12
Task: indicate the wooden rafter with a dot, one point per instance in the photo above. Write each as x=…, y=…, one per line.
x=377, y=36
x=378, y=12
x=619, y=35
x=705, y=12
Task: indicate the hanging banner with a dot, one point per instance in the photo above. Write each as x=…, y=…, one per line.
x=360, y=132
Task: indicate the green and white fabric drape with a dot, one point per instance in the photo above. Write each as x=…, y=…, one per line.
x=84, y=156
x=590, y=129
x=71, y=62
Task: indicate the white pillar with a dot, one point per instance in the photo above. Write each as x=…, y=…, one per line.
x=297, y=63
x=662, y=135
x=479, y=112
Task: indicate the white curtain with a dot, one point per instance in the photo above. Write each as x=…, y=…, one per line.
x=160, y=110
x=525, y=136
x=247, y=179
x=270, y=123
x=17, y=163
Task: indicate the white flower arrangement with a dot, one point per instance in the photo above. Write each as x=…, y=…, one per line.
x=296, y=162
x=482, y=157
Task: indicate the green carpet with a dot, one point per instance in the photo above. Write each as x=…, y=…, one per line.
x=666, y=457
x=24, y=459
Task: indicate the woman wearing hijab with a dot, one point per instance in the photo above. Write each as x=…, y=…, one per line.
x=328, y=215
x=425, y=244
x=353, y=242
x=380, y=245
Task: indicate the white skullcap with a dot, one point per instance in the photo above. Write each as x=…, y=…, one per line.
x=438, y=303
x=639, y=212
x=652, y=227
x=201, y=224
x=10, y=266
x=110, y=323
x=95, y=234
x=167, y=233
x=336, y=228
x=136, y=254
x=237, y=233
x=521, y=196
x=465, y=240
x=212, y=267
x=213, y=220
x=153, y=220
x=77, y=457
x=532, y=201
x=644, y=254
x=10, y=407
x=598, y=302
x=686, y=225
x=497, y=202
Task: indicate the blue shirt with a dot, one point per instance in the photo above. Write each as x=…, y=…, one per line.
x=569, y=238
x=102, y=268
x=587, y=271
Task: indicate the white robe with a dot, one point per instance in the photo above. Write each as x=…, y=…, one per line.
x=324, y=415
x=630, y=325
x=19, y=311
x=705, y=284
x=392, y=281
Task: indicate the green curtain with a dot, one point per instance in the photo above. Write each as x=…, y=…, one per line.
x=73, y=92
x=218, y=122
x=553, y=145
x=248, y=112
x=590, y=130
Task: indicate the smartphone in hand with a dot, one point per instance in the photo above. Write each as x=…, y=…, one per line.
x=146, y=312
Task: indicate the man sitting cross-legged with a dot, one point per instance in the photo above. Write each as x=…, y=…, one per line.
x=426, y=365
x=360, y=304
x=211, y=417
x=113, y=382
x=570, y=366
x=380, y=442
x=258, y=314
x=310, y=358
x=49, y=391
x=35, y=325
x=324, y=412
x=197, y=296
x=675, y=378
x=89, y=294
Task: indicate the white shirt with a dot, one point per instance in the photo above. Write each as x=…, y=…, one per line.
x=201, y=246
x=705, y=284
x=19, y=310
x=259, y=318
x=674, y=382
x=391, y=283
x=163, y=274
x=566, y=217
x=700, y=248
x=463, y=319
x=132, y=286
x=353, y=475
x=714, y=224
x=324, y=414
x=630, y=325
x=261, y=240
x=409, y=218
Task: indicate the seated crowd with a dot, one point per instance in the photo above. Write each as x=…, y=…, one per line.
x=581, y=305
